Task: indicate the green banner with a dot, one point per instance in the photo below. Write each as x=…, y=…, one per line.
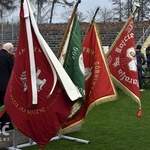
x=74, y=59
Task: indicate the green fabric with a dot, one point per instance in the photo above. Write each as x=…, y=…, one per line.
x=2, y=108
x=74, y=60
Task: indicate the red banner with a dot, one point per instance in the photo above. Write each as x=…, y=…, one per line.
x=122, y=61
x=42, y=121
x=99, y=87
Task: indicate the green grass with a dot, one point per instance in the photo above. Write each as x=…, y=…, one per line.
x=111, y=126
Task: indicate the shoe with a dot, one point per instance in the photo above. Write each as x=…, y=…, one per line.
x=142, y=90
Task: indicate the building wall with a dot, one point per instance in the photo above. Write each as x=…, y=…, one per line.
x=53, y=33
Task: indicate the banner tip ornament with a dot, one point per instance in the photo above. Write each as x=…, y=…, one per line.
x=137, y=6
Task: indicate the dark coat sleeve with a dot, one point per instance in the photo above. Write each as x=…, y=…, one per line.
x=143, y=58
x=11, y=63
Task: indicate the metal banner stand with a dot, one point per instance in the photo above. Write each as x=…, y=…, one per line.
x=32, y=143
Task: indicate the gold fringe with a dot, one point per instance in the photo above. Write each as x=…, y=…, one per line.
x=77, y=125
x=127, y=91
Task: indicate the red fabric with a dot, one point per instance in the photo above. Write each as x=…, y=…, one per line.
x=42, y=121
x=139, y=113
x=98, y=85
x=122, y=65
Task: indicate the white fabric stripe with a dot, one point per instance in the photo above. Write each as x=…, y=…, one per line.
x=31, y=56
x=53, y=70
x=65, y=47
x=69, y=86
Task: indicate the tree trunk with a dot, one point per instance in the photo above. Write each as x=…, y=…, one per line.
x=52, y=10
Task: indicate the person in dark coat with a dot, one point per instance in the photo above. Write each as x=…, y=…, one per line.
x=140, y=61
x=148, y=55
x=6, y=66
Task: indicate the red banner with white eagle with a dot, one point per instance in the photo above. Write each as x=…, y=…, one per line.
x=35, y=100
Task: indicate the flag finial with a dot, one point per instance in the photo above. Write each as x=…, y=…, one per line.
x=137, y=6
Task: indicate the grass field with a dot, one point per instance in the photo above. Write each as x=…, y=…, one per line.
x=111, y=126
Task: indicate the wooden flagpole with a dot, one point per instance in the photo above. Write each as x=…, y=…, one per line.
x=93, y=19
x=132, y=14
x=67, y=29
x=135, y=10
x=133, y=96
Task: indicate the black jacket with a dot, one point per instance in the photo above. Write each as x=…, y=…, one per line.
x=148, y=52
x=6, y=65
x=140, y=58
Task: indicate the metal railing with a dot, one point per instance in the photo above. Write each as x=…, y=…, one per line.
x=144, y=36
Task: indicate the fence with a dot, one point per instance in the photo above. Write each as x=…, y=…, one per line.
x=53, y=33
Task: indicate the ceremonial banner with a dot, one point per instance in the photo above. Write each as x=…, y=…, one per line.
x=122, y=61
x=73, y=63
x=35, y=100
x=72, y=60
x=99, y=87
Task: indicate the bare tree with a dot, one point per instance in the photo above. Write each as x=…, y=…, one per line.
x=91, y=13
x=59, y=2
x=5, y=6
x=66, y=16
x=118, y=9
x=50, y=7
x=123, y=8
x=144, y=10
x=103, y=15
x=106, y=15
x=39, y=4
x=81, y=16
x=8, y=5
x=129, y=7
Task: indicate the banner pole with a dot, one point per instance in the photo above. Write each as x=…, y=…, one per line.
x=67, y=29
x=137, y=6
x=93, y=19
x=131, y=16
